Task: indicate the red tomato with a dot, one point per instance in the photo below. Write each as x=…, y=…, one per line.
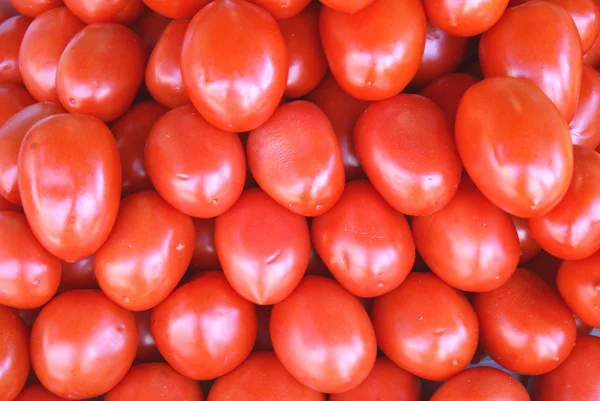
x=323, y=336
x=37, y=392
x=514, y=145
x=592, y=57
x=406, y=147
x=14, y=354
x=146, y=348
x=205, y=252
x=150, y=27
x=11, y=35
x=551, y=58
x=263, y=336
x=6, y=10
x=82, y=344
x=155, y=382
x=263, y=248
x=281, y=9
x=426, y=327
x=205, y=186
x=6, y=205
x=91, y=80
x=447, y=91
x=347, y=6
x=12, y=99
x=316, y=266
x=204, y=329
x=163, y=72
x=585, y=126
x=234, y=79
x=131, y=132
x=464, y=18
x=177, y=9
x=70, y=183
x=375, y=52
x=525, y=326
x=33, y=8
x=364, y=242
x=529, y=247
x=78, y=275
x=295, y=158
x=98, y=11
x=261, y=377
x=579, y=285
x=146, y=253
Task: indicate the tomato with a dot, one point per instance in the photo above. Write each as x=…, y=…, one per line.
x=34, y=8
x=446, y=92
x=426, y=327
x=131, y=132
x=146, y=348
x=204, y=329
x=12, y=99
x=525, y=326
x=592, y=57
x=11, y=35
x=316, y=266
x=163, y=72
x=551, y=58
x=545, y=266
x=205, y=252
x=98, y=11
x=78, y=275
x=263, y=248
x=385, y=382
x=347, y=6
x=364, y=242
x=323, y=336
x=100, y=83
x=82, y=344
x=37, y=392
x=406, y=147
x=6, y=205
x=529, y=248
x=14, y=354
x=176, y=9
x=375, y=52
x=482, y=384
x=234, y=79
x=464, y=18
x=295, y=158
x=70, y=183
x=585, y=126
x=204, y=186
x=261, y=377
x=343, y=112
x=514, y=145
x=6, y=10
x=579, y=285
x=11, y=136
x=263, y=336
x=149, y=27
x=282, y=9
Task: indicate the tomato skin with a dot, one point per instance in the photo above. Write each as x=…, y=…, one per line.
x=525, y=326
x=34, y=8
x=332, y=349
x=11, y=35
x=176, y=9
x=529, y=247
x=235, y=80
x=577, y=282
x=100, y=337
x=584, y=127
x=205, y=251
x=14, y=354
x=502, y=147
x=37, y=392
x=386, y=136
x=425, y=310
x=347, y=6
x=365, y=243
x=6, y=10
x=592, y=57
x=56, y=211
x=102, y=11
x=6, y=205
x=446, y=92
x=464, y=18
x=375, y=52
x=78, y=275
x=204, y=329
x=282, y=9
x=146, y=348
x=13, y=98
x=295, y=158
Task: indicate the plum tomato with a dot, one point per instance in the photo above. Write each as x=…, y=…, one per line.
x=34, y=8
x=585, y=126
x=14, y=354
x=296, y=159
x=406, y=147
x=6, y=205
x=234, y=79
x=282, y=9
x=375, y=52
x=347, y=6
x=426, y=327
x=205, y=250
x=11, y=35
x=447, y=91
x=78, y=275
x=37, y=392
x=149, y=27
x=13, y=98
x=579, y=285
x=323, y=336
x=364, y=242
x=99, y=11
x=460, y=18
x=82, y=344
x=176, y=9
x=196, y=167
x=146, y=348
x=70, y=182
x=529, y=248
x=514, y=144
x=592, y=57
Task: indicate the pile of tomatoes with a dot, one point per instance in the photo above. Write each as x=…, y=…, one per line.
x=352, y=200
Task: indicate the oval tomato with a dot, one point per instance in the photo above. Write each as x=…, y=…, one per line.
x=14, y=353
x=98, y=11
x=11, y=35
x=205, y=251
x=177, y=9
x=37, y=392
x=585, y=126
x=464, y=18
x=78, y=275
x=447, y=91
x=282, y=9
x=6, y=205
x=529, y=247
x=347, y=6
x=150, y=27
x=33, y=8
x=579, y=285
x=13, y=98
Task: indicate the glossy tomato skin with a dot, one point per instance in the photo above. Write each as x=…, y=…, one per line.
x=514, y=145
x=235, y=80
x=91, y=80
x=13, y=98
x=464, y=18
x=578, y=283
x=323, y=336
x=446, y=92
x=425, y=310
x=78, y=275
x=584, y=127
x=386, y=137
x=203, y=186
x=71, y=221
x=282, y=9
x=551, y=59
x=100, y=337
x=146, y=348
x=11, y=35
x=205, y=250
x=262, y=377
x=100, y=11
x=529, y=247
x=364, y=242
x=204, y=329
x=37, y=392
x=347, y=6
x=525, y=326
x=34, y=8
x=375, y=52
x=149, y=27
x=6, y=205
x=295, y=158
x=592, y=57
x=176, y=9
x=14, y=354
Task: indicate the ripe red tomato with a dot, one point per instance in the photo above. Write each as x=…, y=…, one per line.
x=579, y=285
x=375, y=52
x=514, y=145
x=282, y=9
x=11, y=35
x=364, y=242
x=585, y=126
x=529, y=247
x=78, y=275
x=347, y=6
x=12, y=99
x=525, y=326
x=426, y=327
x=82, y=344
x=203, y=186
x=177, y=9
x=146, y=347
x=234, y=79
x=261, y=377
x=149, y=27
x=295, y=158
x=6, y=205
x=204, y=329
x=461, y=18
x=34, y=8
x=70, y=183
x=406, y=147
x=98, y=11
x=6, y=10
x=447, y=91
x=551, y=58
x=14, y=354
x=37, y=392
x=205, y=251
